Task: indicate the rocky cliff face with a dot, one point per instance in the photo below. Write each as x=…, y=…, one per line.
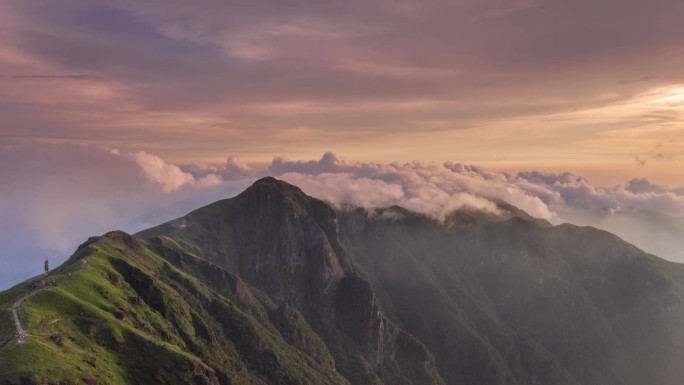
x=287, y=245
x=276, y=287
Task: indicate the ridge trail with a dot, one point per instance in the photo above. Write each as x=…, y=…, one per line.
x=21, y=333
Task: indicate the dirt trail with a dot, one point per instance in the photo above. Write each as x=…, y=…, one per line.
x=21, y=333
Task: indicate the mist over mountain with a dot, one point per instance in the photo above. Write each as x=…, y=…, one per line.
x=56, y=195
x=276, y=287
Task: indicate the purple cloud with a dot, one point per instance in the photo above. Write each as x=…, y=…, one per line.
x=351, y=75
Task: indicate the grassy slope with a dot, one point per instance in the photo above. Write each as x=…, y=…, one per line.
x=131, y=317
x=496, y=302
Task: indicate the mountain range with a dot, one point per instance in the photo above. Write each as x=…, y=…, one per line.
x=277, y=287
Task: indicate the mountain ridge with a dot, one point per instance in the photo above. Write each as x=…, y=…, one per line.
x=274, y=286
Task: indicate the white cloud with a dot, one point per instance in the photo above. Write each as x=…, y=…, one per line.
x=169, y=176
x=426, y=187
x=642, y=212
x=340, y=188
x=52, y=197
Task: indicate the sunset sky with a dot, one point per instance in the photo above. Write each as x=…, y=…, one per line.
x=126, y=113
x=596, y=87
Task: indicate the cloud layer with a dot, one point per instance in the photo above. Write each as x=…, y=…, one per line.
x=490, y=80
x=52, y=197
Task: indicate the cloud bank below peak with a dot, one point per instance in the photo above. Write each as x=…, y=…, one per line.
x=647, y=214
x=55, y=196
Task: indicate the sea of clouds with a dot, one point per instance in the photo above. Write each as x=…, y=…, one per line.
x=54, y=196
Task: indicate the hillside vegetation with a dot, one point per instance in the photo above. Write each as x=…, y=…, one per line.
x=276, y=287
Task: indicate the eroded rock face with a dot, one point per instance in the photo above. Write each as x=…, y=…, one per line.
x=287, y=244
x=277, y=238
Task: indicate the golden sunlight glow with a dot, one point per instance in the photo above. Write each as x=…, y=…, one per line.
x=672, y=96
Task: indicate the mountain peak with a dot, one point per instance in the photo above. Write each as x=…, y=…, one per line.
x=273, y=184
x=269, y=188
x=269, y=180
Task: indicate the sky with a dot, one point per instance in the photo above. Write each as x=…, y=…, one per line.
x=122, y=114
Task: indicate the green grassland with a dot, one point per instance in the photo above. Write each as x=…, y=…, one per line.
x=133, y=317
